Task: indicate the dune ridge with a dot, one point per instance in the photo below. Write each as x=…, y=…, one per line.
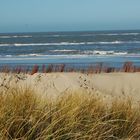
x=108, y=85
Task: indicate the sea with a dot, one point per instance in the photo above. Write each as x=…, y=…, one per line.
x=78, y=49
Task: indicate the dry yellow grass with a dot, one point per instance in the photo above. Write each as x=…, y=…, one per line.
x=81, y=116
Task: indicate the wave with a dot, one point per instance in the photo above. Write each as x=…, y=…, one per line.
x=83, y=53
x=49, y=44
x=121, y=34
x=59, y=35
x=26, y=57
x=63, y=50
x=111, y=34
x=113, y=42
x=2, y=45
x=16, y=36
x=70, y=43
x=93, y=52
x=23, y=55
x=44, y=44
x=8, y=55
x=65, y=35
x=96, y=52
x=30, y=55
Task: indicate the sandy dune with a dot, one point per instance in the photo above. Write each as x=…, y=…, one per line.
x=113, y=84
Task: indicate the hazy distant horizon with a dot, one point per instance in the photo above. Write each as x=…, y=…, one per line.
x=61, y=31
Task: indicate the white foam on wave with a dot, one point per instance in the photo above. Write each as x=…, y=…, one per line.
x=82, y=54
x=103, y=52
x=121, y=34
x=28, y=55
x=1, y=45
x=8, y=55
x=110, y=34
x=96, y=52
x=25, y=36
x=60, y=35
x=51, y=56
x=130, y=34
x=76, y=56
x=70, y=43
x=113, y=42
x=56, y=35
x=64, y=50
x=44, y=44
x=23, y=55
x=16, y=36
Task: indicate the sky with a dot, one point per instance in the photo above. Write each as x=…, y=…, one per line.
x=68, y=15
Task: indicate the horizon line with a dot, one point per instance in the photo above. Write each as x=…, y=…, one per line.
x=58, y=31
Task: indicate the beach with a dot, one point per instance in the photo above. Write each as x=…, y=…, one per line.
x=69, y=70
x=69, y=105
x=70, y=85
x=53, y=85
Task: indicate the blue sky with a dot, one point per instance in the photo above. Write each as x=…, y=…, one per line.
x=68, y=15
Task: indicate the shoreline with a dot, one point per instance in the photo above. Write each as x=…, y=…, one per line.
x=63, y=67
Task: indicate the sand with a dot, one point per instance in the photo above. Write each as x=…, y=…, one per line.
x=55, y=84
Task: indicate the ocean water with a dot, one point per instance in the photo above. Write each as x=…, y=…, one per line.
x=112, y=48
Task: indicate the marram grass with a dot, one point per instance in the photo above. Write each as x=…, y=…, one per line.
x=72, y=116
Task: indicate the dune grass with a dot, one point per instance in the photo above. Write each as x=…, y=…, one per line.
x=82, y=116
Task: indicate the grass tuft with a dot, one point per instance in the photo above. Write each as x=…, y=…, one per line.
x=25, y=115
